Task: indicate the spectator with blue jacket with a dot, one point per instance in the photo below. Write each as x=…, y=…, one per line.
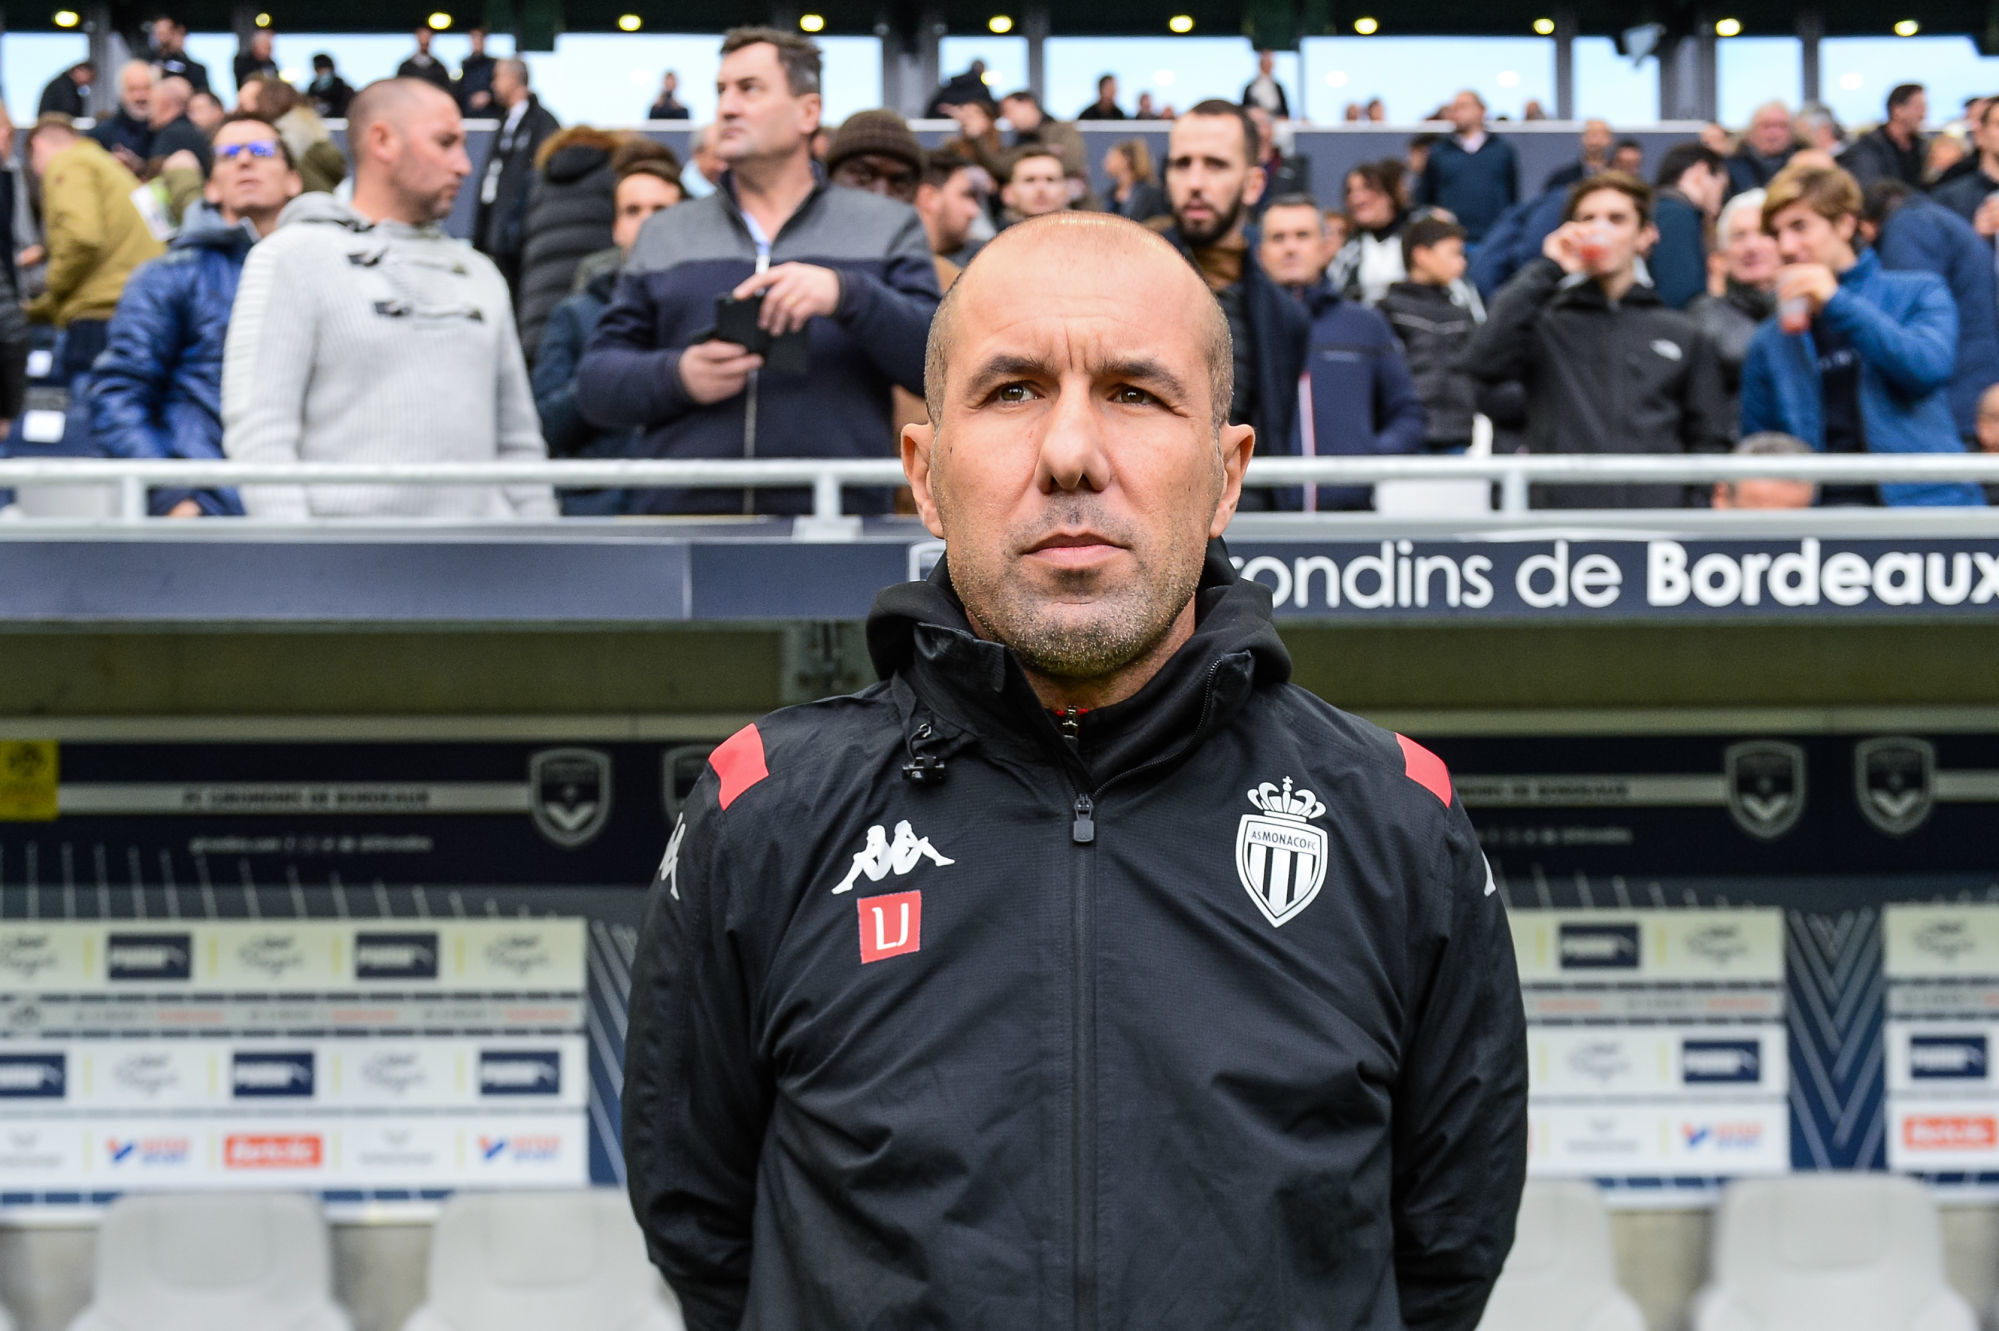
x=1913, y=233
x=848, y=269
x=156, y=390
x=1859, y=359
x=644, y=186
x=1473, y=175
x=1355, y=397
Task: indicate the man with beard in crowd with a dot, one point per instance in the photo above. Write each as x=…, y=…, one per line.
x=127, y=133
x=1766, y=146
x=1212, y=181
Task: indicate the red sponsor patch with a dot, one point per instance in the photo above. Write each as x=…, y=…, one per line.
x=1954, y=1132
x=739, y=761
x=1426, y=769
x=890, y=925
x=257, y=1151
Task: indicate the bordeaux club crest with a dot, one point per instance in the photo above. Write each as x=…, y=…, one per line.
x=1765, y=785
x=570, y=794
x=1280, y=855
x=1895, y=781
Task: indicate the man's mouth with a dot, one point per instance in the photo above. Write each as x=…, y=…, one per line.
x=1074, y=549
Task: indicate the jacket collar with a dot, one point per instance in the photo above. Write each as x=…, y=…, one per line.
x=1864, y=267
x=727, y=190
x=956, y=689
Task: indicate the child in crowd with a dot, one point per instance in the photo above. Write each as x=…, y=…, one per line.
x=1434, y=325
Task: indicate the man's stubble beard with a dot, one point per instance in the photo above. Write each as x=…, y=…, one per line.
x=1128, y=622
x=1225, y=224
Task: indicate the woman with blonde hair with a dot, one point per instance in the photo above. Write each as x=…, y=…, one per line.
x=1134, y=192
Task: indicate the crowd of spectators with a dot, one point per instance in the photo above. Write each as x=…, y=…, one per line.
x=227, y=282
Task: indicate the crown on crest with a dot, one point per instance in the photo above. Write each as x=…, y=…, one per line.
x=1286, y=803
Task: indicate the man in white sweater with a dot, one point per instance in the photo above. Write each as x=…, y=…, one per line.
x=362, y=333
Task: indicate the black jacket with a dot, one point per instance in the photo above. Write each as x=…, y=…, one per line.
x=61, y=96
x=1075, y=1075
x=1729, y=321
x=1280, y=335
x=1433, y=330
x=122, y=129
x=1634, y=378
x=497, y=225
x=570, y=208
x=1963, y=193
x=1874, y=156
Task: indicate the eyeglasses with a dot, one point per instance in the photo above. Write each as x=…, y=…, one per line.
x=265, y=148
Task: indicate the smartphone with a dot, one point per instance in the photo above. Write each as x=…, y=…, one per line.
x=736, y=321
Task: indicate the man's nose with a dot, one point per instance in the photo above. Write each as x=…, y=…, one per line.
x=1072, y=444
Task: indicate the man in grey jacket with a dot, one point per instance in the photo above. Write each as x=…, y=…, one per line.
x=362, y=333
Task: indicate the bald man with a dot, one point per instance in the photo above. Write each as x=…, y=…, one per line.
x=362, y=333
x=173, y=129
x=1085, y=972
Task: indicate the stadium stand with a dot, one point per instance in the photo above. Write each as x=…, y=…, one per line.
x=1561, y=1275
x=1830, y=1252
x=216, y=1262
x=526, y=1261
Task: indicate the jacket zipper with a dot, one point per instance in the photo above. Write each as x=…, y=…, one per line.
x=1083, y=1066
x=750, y=401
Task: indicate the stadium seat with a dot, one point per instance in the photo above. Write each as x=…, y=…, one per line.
x=534, y=1261
x=1560, y=1276
x=1829, y=1252
x=215, y=1262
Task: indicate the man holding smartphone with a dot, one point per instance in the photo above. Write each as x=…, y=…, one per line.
x=847, y=271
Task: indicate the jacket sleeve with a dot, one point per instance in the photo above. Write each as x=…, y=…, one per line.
x=74, y=228
x=890, y=315
x=519, y=427
x=266, y=368
x=1503, y=347
x=1758, y=411
x=697, y=1092
x=1460, y=1129
x=14, y=337
x=1679, y=261
x=128, y=384
x=1704, y=423
x=1916, y=353
x=1398, y=411
x=562, y=424
x=624, y=377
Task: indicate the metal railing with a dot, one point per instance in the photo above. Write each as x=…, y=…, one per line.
x=828, y=478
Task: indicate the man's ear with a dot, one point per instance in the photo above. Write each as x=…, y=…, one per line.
x=1238, y=443
x=1647, y=238
x=1253, y=186
x=917, y=442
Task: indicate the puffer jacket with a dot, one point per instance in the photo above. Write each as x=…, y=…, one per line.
x=569, y=214
x=156, y=391
x=1434, y=329
x=562, y=425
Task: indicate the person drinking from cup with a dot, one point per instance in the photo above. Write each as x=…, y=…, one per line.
x=1858, y=359
x=1607, y=366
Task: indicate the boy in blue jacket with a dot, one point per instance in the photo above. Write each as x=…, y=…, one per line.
x=1859, y=359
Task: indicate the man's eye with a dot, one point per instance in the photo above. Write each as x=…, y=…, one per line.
x=1133, y=397
x=1013, y=393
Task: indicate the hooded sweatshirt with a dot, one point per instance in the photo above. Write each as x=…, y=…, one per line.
x=357, y=341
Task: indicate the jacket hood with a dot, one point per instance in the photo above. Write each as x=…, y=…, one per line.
x=573, y=153
x=918, y=631
x=323, y=209
x=214, y=234
x=598, y=273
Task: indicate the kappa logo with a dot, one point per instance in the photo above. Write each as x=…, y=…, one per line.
x=1279, y=855
x=669, y=864
x=882, y=857
x=570, y=790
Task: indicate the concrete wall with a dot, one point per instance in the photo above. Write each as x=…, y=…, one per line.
x=379, y=1269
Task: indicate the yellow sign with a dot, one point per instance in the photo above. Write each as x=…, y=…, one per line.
x=27, y=780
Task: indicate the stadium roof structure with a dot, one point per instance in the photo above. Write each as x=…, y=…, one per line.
x=1278, y=23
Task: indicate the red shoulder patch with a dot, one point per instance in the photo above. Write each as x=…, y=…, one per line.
x=1426, y=769
x=739, y=761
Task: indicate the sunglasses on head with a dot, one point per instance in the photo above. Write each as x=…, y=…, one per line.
x=229, y=152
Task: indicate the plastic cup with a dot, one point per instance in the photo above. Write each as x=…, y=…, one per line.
x=1794, y=315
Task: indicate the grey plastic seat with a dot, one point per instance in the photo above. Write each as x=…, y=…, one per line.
x=1829, y=1252
x=534, y=1261
x=1561, y=1275
x=213, y=1262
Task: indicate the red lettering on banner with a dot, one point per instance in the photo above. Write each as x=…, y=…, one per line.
x=1965, y=1132
x=890, y=925
x=252, y=1151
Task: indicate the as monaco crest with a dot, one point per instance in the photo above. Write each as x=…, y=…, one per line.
x=1280, y=855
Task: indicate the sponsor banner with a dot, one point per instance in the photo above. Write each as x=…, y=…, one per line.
x=1656, y=1063
x=33, y=1077
x=395, y=1074
x=1653, y=1005
x=1938, y=1060
x=527, y=1150
x=37, y=1154
x=280, y=955
x=396, y=1153
x=1940, y=942
x=1942, y=1136
x=357, y=1015
x=50, y=958
x=1649, y=946
x=150, y=1075
x=519, y=954
x=1698, y=1139
x=147, y=1154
